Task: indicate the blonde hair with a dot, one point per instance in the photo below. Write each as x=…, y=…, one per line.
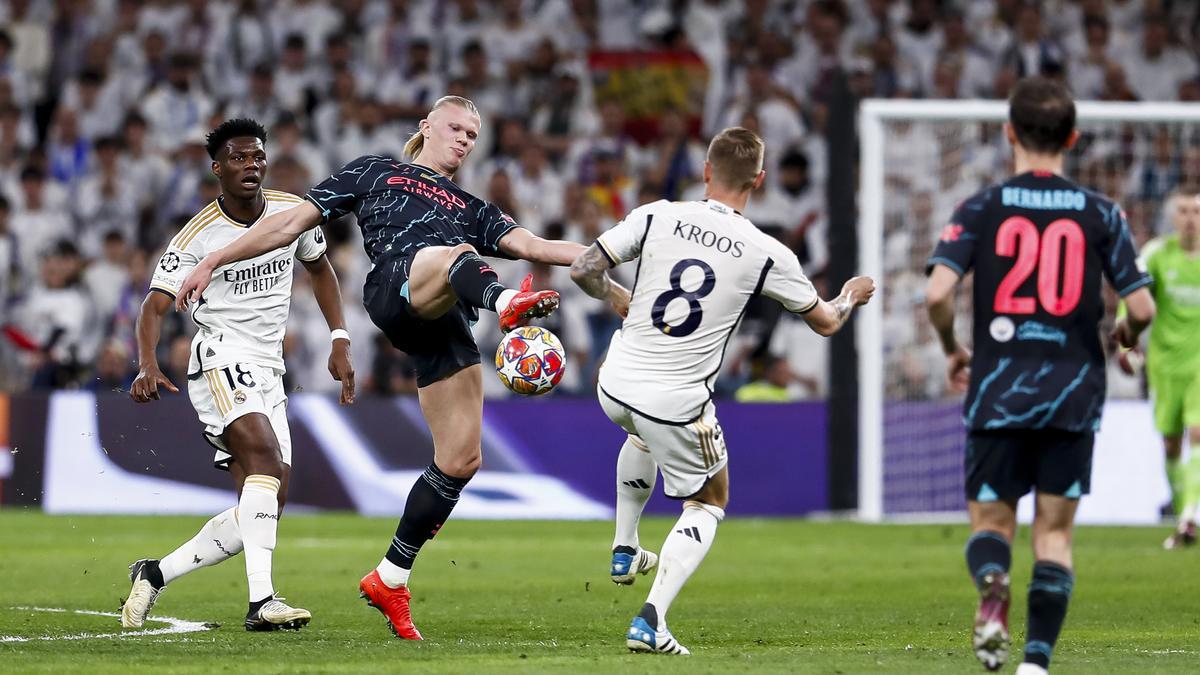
x=417, y=141
x=736, y=156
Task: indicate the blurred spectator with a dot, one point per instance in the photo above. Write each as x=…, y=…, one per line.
x=8, y=261
x=105, y=277
x=676, y=160
x=105, y=201
x=1032, y=52
x=57, y=317
x=392, y=371
x=68, y=152
x=176, y=107
x=179, y=354
x=114, y=368
x=36, y=222
x=1089, y=67
x=286, y=141
x=1154, y=66
x=294, y=78
x=260, y=102
x=773, y=385
x=31, y=46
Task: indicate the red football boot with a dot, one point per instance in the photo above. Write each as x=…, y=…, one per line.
x=392, y=603
x=528, y=304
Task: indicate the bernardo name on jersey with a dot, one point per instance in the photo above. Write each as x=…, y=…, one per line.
x=243, y=315
x=699, y=265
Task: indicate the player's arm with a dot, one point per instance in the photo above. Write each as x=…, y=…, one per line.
x=328, y=293
x=1139, y=312
x=275, y=231
x=525, y=245
x=939, y=302
x=149, y=329
x=827, y=318
x=590, y=272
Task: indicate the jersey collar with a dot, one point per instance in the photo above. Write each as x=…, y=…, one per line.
x=723, y=208
x=240, y=223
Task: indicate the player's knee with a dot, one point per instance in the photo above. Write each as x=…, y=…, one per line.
x=465, y=465
x=715, y=510
x=453, y=253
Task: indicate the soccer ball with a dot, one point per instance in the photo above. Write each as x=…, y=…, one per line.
x=530, y=361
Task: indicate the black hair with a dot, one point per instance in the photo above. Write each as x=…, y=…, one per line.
x=295, y=41
x=1042, y=114
x=794, y=159
x=4, y=206
x=235, y=128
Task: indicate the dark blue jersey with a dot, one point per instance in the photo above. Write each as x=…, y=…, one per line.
x=1038, y=244
x=403, y=208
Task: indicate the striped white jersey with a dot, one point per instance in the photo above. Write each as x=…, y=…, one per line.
x=243, y=314
x=699, y=265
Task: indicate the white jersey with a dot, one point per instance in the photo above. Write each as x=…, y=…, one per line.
x=699, y=265
x=243, y=314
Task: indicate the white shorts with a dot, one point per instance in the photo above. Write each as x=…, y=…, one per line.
x=688, y=455
x=223, y=394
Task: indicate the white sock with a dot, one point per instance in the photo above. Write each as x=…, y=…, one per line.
x=393, y=575
x=636, y=475
x=258, y=516
x=219, y=540
x=685, y=547
x=506, y=297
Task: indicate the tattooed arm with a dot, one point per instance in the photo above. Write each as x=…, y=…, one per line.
x=827, y=318
x=590, y=272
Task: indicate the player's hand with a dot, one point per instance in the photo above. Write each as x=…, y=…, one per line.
x=145, y=386
x=341, y=367
x=1130, y=360
x=958, y=370
x=859, y=290
x=195, y=283
x=1124, y=335
x=619, y=300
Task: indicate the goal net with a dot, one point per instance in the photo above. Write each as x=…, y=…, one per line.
x=919, y=159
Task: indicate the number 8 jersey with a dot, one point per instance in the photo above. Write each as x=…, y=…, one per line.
x=698, y=266
x=1038, y=244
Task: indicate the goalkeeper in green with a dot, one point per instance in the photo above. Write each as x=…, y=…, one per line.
x=1173, y=359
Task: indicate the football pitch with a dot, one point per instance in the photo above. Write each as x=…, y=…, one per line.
x=773, y=595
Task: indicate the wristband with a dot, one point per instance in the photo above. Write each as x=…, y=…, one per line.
x=339, y=334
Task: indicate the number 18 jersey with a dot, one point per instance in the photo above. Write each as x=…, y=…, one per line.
x=1039, y=245
x=698, y=265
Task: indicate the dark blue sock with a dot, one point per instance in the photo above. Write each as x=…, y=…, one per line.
x=987, y=552
x=474, y=281
x=1049, y=593
x=429, y=504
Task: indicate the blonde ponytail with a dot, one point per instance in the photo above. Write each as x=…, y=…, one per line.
x=416, y=142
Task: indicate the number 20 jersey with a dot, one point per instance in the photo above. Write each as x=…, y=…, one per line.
x=698, y=265
x=1038, y=244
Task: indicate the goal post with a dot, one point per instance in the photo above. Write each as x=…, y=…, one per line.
x=910, y=432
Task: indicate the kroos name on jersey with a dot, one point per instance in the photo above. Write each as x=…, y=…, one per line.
x=257, y=278
x=708, y=238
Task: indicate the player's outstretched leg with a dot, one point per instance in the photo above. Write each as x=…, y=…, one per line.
x=636, y=476
x=440, y=276
x=1185, y=530
x=989, y=557
x=219, y=540
x=689, y=541
x=258, y=511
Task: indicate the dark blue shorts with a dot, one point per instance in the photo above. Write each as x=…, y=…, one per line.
x=1007, y=464
x=440, y=347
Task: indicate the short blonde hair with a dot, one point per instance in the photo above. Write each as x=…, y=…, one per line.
x=736, y=156
x=417, y=141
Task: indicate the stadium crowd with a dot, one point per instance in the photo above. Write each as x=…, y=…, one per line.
x=104, y=106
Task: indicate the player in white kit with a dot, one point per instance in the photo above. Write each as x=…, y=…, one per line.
x=235, y=377
x=699, y=265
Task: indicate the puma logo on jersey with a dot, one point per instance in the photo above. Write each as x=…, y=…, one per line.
x=708, y=239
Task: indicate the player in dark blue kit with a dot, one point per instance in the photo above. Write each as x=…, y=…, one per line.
x=1039, y=245
x=424, y=236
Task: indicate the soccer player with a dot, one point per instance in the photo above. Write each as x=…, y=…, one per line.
x=1038, y=244
x=424, y=235
x=1173, y=362
x=699, y=264
x=236, y=370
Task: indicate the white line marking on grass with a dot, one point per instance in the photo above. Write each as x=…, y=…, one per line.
x=174, y=626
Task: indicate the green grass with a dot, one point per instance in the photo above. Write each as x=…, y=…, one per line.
x=774, y=595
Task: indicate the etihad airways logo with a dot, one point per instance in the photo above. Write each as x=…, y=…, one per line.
x=423, y=189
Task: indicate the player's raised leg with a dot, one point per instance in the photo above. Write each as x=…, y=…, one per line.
x=442, y=275
x=453, y=408
x=1052, y=582
x=989, y=557
x=636, y=476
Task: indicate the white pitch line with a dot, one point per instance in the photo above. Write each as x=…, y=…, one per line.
x=175, y=626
